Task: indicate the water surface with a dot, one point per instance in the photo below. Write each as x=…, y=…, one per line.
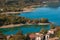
x=24, y=29
x=53, y=14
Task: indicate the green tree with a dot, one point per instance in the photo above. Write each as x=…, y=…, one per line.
x=44, y=20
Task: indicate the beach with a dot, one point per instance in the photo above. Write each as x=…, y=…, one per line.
x=11, y=25
x=17, y=25
x=26, y=9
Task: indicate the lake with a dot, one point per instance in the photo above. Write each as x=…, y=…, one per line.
x=52, y=14
x=24, y=29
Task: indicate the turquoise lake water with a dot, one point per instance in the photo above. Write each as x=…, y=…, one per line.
x=24, y=29
x=53, y=14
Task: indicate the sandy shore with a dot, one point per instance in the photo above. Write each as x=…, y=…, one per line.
x=12, y=25
x=17, y=25
x=26, y=9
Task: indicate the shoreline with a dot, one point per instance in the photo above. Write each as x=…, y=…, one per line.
x=26, y=9
x=16, y=25
x=11, y=25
